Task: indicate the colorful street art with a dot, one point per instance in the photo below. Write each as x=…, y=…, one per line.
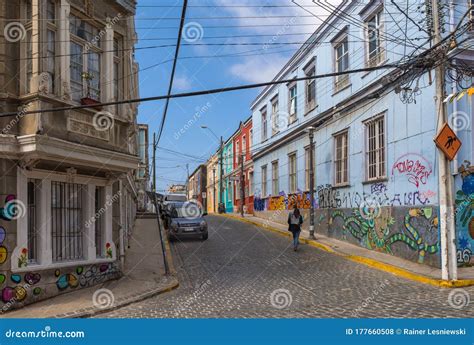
x=377, y=233
x=283, y=202
x=465, y=215
x=415, y=167
x=23, y=258
x=3, y=249
x=108, y=251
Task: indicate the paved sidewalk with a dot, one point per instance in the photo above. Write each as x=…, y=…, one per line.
x=382, y=261
x=143, y=278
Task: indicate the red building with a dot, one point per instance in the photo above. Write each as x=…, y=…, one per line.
x=242, y=160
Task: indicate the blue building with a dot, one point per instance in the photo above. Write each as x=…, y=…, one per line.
x=376, y=165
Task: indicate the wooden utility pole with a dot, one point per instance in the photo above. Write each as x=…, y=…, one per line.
x=445, y=179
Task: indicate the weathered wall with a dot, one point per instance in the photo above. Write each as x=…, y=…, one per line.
x=465, y=216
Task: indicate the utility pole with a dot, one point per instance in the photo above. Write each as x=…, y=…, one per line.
x=187, y=181
x=445, y=179
x=311, y=182
x=221, y=180
x=242, y=184
x=214, y=188
x=154, y=162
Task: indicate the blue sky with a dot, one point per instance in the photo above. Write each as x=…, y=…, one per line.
x=221, y=112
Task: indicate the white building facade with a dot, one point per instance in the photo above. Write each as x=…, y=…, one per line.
x=374, y=157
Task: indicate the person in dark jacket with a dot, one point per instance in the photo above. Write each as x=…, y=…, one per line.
x=295, y=219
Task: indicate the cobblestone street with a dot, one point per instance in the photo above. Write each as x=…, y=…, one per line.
x=245, y=272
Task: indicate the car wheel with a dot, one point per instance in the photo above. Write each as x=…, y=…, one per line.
x=205, y=236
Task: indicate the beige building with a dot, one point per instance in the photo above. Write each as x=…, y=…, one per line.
x=68, y=182
x=213, y=184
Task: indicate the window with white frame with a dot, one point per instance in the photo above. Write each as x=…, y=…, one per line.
x=275, y=116
x=263, y=113
x=375, y=147
x=33, y=219
x=264, y=181
x=341, y=158
x=238, y=149
x=341, y=63
x=374, y=32
x=310, y=90
x=244, y=146
x=307, y=166
x=292, y=176
x=85, y=59
x=292, y=102
x=275, y=178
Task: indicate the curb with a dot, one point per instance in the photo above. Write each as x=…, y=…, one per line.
x=366, y=261
x=92, y=311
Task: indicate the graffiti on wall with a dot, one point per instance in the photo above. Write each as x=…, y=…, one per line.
x=3, y=249
x=415, y=167
x=329, y=197
x=10, y=295
x=12, y=209
x=283, y=202
x=419, y=232
x=465, y=215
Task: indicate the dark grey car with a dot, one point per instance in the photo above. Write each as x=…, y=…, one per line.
x=186, y=220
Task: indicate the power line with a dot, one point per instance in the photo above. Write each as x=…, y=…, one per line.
x=205, y=92
x=173, y=70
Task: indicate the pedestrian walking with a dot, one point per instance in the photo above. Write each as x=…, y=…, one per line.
x=295, y=219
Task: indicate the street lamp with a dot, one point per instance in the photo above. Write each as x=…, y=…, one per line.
x=310, y=130
x=221, y=149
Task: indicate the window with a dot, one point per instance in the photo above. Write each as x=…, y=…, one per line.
x=310, y=71
x=237, y=153
x=29, y=61
x=341, y=159
x=263, y=111
x=51, y=10
x=117, y=71
x=374, y=32
x=307, y=165
x=292, y=172
x=67, y=224
x=275, y=182
x=375, y=155
x=341, y=50
x=142, y=147
x=275, y=123
x=250, y=139
x=264, y=181
x=50, y=56
x=292, y=107
x=33, y=226
x=85, y=59
x=250, y=183
x=244, y=146
x=98, y=223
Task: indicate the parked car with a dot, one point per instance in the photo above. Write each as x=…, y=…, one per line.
x=184, y=220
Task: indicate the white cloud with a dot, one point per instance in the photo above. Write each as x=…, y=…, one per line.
x=296, y=20
x=182, y=83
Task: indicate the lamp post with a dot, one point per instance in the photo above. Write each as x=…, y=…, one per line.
x=311, y=130
x=221, y=149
